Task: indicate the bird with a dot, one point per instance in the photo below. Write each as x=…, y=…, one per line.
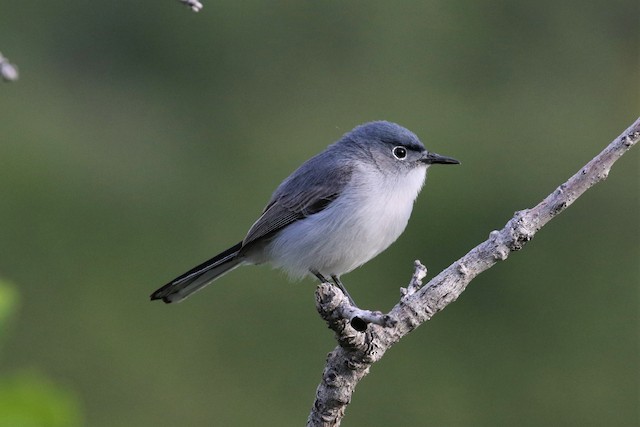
x=337, y=211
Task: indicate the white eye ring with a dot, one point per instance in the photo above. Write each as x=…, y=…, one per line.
x=399, y=152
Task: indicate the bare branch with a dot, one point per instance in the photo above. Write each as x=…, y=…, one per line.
x=350, y=361
x=195, y=5
x=8, y=71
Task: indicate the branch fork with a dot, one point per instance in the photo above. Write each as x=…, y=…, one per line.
x=334, y=307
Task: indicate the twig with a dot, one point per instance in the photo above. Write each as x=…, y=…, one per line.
x=350, y=361
x=416, y=280
x=8, y=71
x=195, y=5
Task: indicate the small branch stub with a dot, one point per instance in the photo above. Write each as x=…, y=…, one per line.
x=8, y=71
x=416, y=280
x=195, y=5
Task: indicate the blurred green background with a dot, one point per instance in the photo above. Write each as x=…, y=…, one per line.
x=143, y=138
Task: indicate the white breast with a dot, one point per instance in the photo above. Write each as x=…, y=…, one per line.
x=367, y=217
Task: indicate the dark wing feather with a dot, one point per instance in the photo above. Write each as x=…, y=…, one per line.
x=306, y=192
x=273, y=219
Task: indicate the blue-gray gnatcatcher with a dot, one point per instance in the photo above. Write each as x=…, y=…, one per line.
x=337, y=211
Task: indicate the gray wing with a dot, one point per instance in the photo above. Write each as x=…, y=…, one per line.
x=309, y=190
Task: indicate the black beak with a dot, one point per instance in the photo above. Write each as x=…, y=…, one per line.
x=433, y=158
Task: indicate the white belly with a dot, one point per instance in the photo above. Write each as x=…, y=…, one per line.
x=365, y=219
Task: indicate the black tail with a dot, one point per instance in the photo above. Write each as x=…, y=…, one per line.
x=199, y=277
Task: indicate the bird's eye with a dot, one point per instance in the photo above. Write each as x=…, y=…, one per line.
x=399, y=152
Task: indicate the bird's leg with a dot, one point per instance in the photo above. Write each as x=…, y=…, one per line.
x=339, y=284
x=358, y=321
x=320, y=277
